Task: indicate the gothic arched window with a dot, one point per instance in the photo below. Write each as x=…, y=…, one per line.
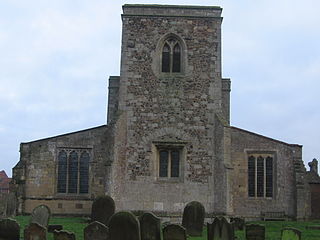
x=171, y=56
x=73, y=171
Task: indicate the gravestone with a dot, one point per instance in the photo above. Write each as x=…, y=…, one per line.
x=150, y=227
x=63, y=235
x=238, y=223
x=96, y=231
x=124, y=226
x=11, y=205
x=227, y=230
x=220, y=229
x=9, y=229
x=174, y=232
x=103, y=207
x=290, y=234
x=34, y=231
x=255, y=232
x=41, y=215
x=193, y=218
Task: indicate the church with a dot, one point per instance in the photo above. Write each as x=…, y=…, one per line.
x=168, y=138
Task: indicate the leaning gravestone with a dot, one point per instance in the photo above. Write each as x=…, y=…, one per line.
x=41, y=215
x=103, y=207
x=63, y=235
x=124, y=226
x=96, y=231
x=290, y=234
x=9, y=229
x=34, y=231
x=255, y=232
x=150, y=227
x=11, y=205
x=174, y=232
x=193, y=218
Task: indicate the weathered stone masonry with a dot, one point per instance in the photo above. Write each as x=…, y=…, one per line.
x=152, y=111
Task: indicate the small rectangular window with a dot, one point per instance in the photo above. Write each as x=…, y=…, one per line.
x=169, y=163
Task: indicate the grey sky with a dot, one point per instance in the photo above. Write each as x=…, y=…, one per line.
x=56, y=57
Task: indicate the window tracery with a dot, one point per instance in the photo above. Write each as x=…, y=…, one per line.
x=171, y=56
x=73, y=171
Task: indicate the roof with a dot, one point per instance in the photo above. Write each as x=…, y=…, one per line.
x=268, y=138
x=4, y=180
x=66, y=134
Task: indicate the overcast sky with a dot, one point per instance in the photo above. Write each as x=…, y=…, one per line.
x=56, y=57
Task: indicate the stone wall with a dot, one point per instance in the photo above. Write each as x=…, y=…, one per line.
x=176, y=109
x=285, y=194
x=37, y=171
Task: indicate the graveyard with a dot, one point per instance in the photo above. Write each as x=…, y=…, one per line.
x=106, y=223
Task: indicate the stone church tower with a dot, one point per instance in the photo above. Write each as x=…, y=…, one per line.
x=168, y=139
x=173, y=104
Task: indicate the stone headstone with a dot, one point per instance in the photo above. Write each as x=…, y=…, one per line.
x=124, y=226
x=227, y=230
x=11, y=205
x=174, y=232
x=220, y=229
x=96, y=231
x=290, y=234
x=150, y=227
x=103, y=207
x=63, y=235
x=238, y=223
x=255, y=232
x=34, y=231
x=9, y=229
x=193, y=218
x=41, y=215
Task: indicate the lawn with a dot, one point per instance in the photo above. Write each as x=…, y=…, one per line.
x=273, y=229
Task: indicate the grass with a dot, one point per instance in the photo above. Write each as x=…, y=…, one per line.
x=273, y=229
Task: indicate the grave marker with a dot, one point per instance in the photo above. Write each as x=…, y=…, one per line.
x=193, y=218
x=255, y=232
x=9, y=229
x=150, y=227
x=124, y=226
x=103, y=207
x=34, y=231
x=41, y=215
x=174, y=232
x=96, y=231
x=290, y=234
x=63, y=235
